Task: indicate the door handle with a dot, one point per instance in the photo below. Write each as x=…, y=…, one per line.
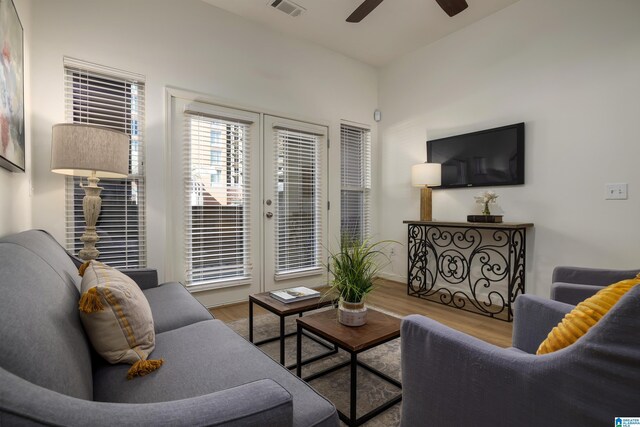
x=269, y=214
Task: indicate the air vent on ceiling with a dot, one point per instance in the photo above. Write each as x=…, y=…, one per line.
x=288, y=7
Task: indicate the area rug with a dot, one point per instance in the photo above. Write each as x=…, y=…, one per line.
x=372, y=391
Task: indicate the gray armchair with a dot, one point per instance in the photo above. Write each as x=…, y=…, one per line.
x=575, y=284
x=450, y=378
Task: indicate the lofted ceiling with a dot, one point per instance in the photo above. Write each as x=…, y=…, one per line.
x=393, y=29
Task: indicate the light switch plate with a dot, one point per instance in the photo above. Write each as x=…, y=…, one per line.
x=616, y=191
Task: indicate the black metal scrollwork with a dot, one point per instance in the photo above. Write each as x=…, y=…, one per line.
x=476, y=269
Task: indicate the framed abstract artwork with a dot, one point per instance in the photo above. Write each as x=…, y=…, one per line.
x=11, y=89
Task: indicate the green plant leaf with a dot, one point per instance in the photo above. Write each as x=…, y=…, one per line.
x=355, y=266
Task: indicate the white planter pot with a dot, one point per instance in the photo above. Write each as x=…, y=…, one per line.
x=352, y=314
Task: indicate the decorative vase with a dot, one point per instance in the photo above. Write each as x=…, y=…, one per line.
x=486, y=210
x=352, y=313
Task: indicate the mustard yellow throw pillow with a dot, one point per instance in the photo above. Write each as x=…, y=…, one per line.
x=586, y=314
x=117, y=318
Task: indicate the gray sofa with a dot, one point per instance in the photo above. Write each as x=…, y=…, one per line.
x=450, y=378
x=50, y=375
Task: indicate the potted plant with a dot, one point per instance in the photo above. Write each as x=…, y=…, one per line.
x=485, y=199
x=353, y=268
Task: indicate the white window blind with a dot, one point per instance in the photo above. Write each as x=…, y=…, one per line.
x=298, y=204
x=217, y=200
x=355, y=149
x=102, y=96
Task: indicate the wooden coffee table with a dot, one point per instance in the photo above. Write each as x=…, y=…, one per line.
x=379, y=329
x=283, y=310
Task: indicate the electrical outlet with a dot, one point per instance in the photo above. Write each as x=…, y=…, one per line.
x=616, y=191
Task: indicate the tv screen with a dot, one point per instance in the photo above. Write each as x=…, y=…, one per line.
x=480, y=159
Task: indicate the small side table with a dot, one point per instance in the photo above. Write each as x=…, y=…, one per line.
x=283, y=310
x=379, y=329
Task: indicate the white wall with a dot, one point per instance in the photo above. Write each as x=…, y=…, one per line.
x=189, y=45
x=15, y=198
x=570, y=69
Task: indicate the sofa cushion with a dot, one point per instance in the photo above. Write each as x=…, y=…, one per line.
x=207, y=357
x=173, y=307
x=42, y=338
x=585, y=315
x=117, y=318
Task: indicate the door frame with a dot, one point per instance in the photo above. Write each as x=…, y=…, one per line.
x=224, y=296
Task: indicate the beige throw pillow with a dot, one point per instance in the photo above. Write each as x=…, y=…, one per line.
x=117, y=318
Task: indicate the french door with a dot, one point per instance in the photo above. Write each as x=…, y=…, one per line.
x=295, y=203
x=249, y=204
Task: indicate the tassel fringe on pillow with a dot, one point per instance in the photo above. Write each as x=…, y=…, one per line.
x=83, y=267
x=144, y=367
x=90, y=301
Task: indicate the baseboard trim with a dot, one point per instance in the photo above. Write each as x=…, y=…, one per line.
x=392, y=276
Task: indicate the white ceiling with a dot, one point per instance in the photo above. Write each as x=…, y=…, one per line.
x=393, y=29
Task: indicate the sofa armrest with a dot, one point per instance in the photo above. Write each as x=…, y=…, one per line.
x=591, y=276
x=146, y=278
x=262, y=402
x=572, y=293
x=533, y=319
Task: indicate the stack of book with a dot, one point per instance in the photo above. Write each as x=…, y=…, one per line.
x=294, y=294
x=485, y=218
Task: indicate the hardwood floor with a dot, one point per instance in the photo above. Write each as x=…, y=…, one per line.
x=392, y=296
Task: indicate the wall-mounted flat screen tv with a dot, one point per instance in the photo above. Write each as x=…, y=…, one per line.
x=480, y=159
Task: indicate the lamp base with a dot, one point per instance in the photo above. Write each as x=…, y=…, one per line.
x=425, y=204
x=91, y=204
x=89, y=251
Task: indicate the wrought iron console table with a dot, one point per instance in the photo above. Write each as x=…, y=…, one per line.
x=479, y=267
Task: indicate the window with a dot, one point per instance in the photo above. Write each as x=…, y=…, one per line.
x=217, y=209
x=216, y=177
x=355, y=149
x=101, y=96
x=216, y=155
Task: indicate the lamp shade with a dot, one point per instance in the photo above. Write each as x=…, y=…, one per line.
x=428, y=174
x=79, y=150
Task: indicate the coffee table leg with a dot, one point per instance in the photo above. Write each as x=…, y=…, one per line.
x=299, y=352
x=354, y=384
x=250, y=320
x=282, y=340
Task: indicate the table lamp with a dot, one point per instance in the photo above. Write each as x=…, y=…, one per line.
x=426, y=175
x=94, y=152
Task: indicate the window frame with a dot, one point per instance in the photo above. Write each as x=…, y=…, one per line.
x=96, y=94
x=362, y=174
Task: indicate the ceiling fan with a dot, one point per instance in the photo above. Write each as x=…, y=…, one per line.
x=452, y=7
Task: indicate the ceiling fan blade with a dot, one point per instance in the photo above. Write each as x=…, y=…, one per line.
x=453, y=7
x=363, y=10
